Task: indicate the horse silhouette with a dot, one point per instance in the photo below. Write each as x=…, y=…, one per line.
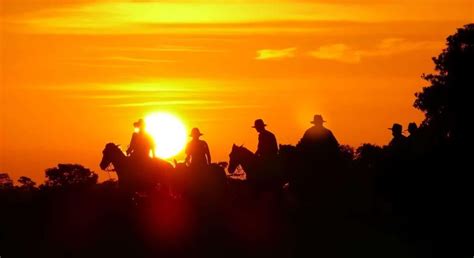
x=202, y=182
x=260, y=176
x=291, y=164
x=136, y=175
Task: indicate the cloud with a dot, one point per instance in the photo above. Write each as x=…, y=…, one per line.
x=265, y=54
x=157, y=86
x=339, y=52
x=127, y=16
x=164, y=48
x=343, y=53
x=165, y=103
x=137, y=60
x=118, y=61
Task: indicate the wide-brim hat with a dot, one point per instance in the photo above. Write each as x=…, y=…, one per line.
x=195, y=132
x=259, y=123
x=396, y=127
x=139, y=123
x=412, y=125
x=317, y=119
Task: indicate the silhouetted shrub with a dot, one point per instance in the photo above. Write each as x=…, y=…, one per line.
x=445, y=101
x=67, y=175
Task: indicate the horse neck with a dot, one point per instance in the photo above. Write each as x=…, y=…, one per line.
x=248, y=160
x=119, y=162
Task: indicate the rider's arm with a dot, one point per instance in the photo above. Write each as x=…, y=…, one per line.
x=208, y=154
x=188, y=156
x=152, y=146
x=132, y=144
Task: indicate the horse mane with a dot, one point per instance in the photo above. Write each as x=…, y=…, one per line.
x=245, y=150
x=113, y=147
x=287, y=147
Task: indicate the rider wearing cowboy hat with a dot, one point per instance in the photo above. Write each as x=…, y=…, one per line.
x=197, y=151
x=398, y=139
x=267, y=143
x=318, y=139
x=141, y=143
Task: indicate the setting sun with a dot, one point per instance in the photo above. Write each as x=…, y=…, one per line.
x=168, y=132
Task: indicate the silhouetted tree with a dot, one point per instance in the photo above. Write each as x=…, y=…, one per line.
x=5, y=181
x=368, y=158
x=347, y=152
x=445, y=101
x=368, y=155
x=65, y=175
x=346, y=157
x=26, y=183
x=109, y=184
x=446, y=104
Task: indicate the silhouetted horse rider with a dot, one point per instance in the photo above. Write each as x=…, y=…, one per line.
x=269, y=174
x=398, y=142
x=197, y=151
x=141, y=143
x=415, y=142
x=319, y=151
x=392, y=179
x=412, y=129
x=267, y=149
x=318, y=141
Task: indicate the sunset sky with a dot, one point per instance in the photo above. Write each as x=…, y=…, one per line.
x=76, y=74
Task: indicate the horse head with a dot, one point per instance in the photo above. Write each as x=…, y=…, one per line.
x=238, y=156
x=111, y=154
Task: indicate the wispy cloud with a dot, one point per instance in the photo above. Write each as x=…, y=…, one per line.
x=265, y=54
x=96, y=65
x=338, y=52
x=165, y=103
x=165, y=48
x=343, y=53
x=137, y=17
x=186, y=105
x=152, y=86
x=116, y=61
x=137, y=60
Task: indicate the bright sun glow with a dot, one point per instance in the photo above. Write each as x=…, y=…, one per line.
x=168, y=132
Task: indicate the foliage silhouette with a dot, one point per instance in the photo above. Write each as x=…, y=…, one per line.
x=5, y=181
x=444, y=101
x=26, y=183
x=70, y=175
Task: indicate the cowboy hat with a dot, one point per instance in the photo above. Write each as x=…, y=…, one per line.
x=317, y=119
x=138, y=123
x=396, y=126
x=258, y=123
x=195, y=132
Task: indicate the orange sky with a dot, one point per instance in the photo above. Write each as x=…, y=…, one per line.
x=75, y=74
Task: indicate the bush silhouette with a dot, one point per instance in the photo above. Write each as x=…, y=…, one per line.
x=26, y=183
x=5, y=181
x=67, y=175
x=445, y=101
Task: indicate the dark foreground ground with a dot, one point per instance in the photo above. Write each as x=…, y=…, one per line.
x=101, y=222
